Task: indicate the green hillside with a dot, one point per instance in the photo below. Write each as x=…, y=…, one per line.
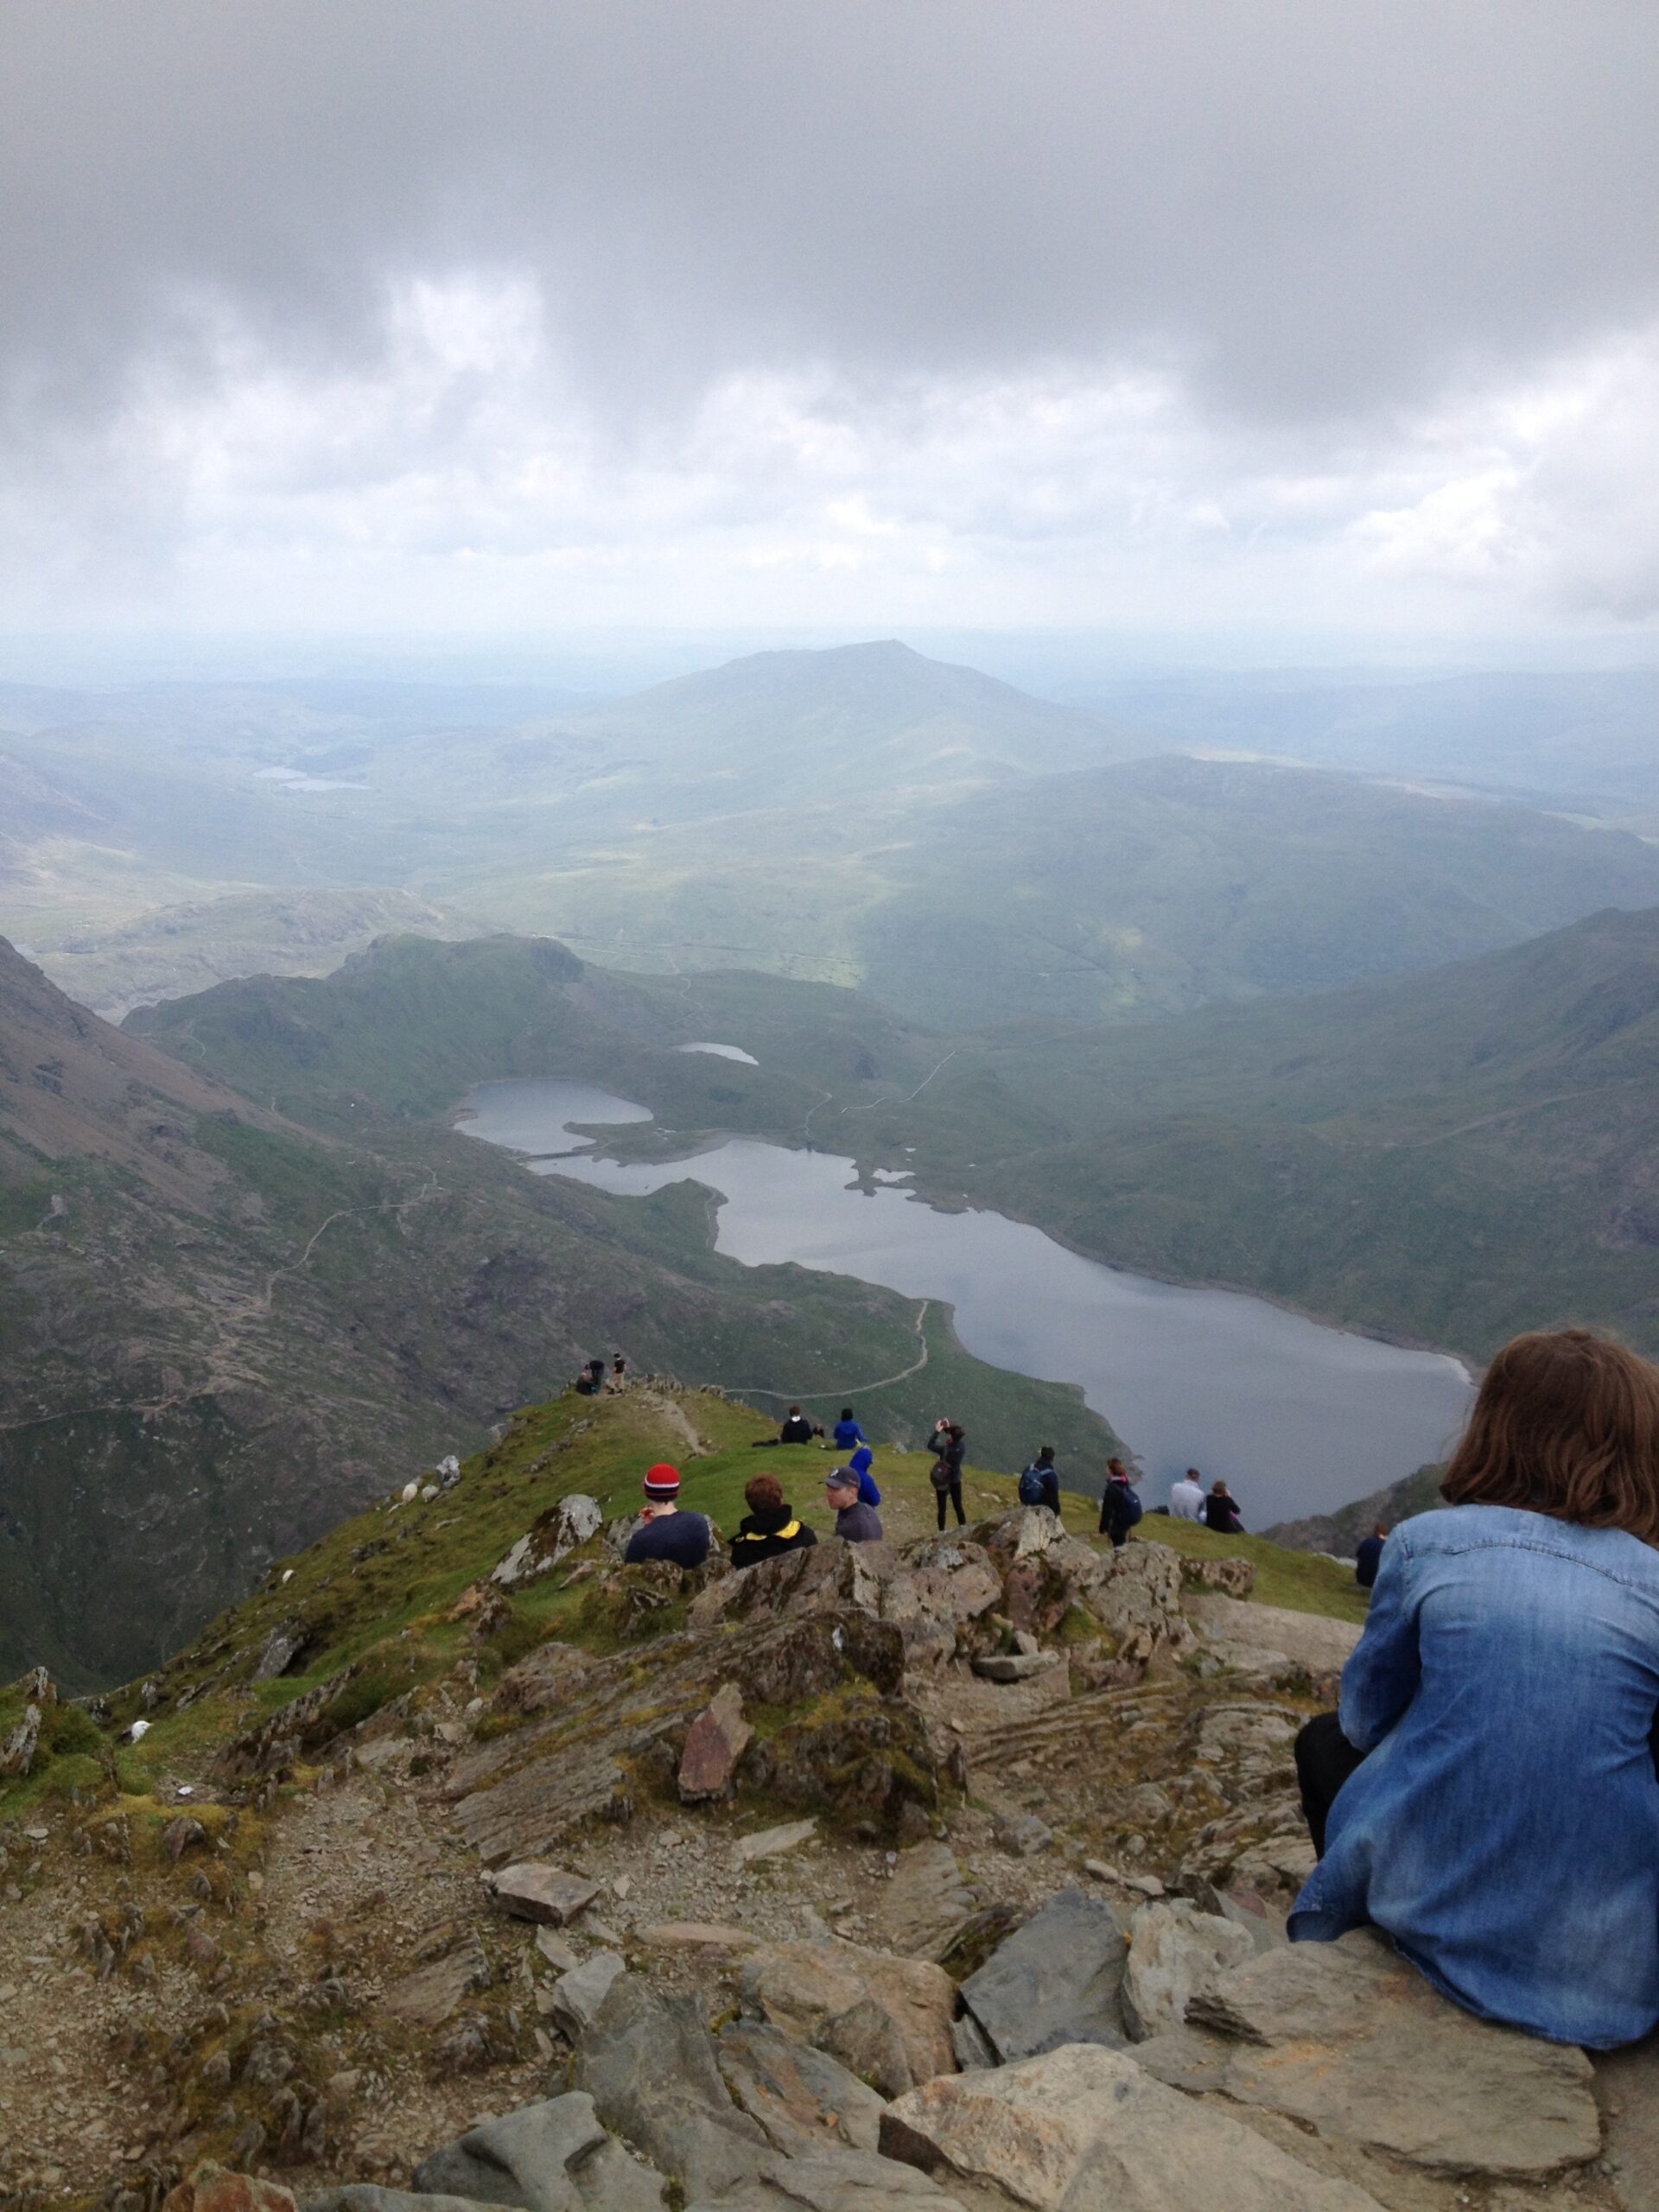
x=222, y=1327
x=374, y=1594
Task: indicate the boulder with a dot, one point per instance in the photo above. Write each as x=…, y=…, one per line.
x=1309, y=1641
x=1175, y=1950
x=801, y=2096
x=18, y=1751
x=281, y=1648
x=1349, y=2040
x=1085, y=2130
x=927, y=1901
x=1014, y=1666
x=766, y=1843
x=1022, y=1835
x=542, y=1682
x=714, y=1743
x=551, y=2156
x=1627, y=2089
x=1056, y=1980
x=885, y=2020
x=531, y=1891
x=433, y=1993
x=835, y=2180
x=213, y=2188
x=1234, y=1577
x=579, y=1994
x=557, y=1533
x=647, y=2061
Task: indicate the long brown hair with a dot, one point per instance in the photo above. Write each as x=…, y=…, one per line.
x=1566, y=1423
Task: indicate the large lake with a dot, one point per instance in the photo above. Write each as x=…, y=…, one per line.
x=1298, y=1418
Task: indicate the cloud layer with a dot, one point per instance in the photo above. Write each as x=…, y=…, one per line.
x=349, y=309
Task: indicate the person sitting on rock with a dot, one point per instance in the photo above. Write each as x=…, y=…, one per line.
x=768, y=1526
x=796, y=1429
x=591, y=1381
x=1368, y=1556
x=1041, y=1483
x=1486, y=1795
x=861, y=1463
x=1186, y=1497
x=1221, y=1513
x=665, y=1532
x=855, y=1522
x=847, y=1431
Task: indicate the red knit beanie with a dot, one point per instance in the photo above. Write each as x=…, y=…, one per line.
x=662, y=1484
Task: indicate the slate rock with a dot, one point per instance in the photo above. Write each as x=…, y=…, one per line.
x=1308, y=1640
x=714, y=1743
x=550, y=2156
x=531, y=1891
x=885, y=2020
x=766, y=1843
x=369, y=2196
x=281, y=1648
x=558, y=1532
x=802, y=2097
x=835, y=2180
x=1021, y=1834
x=926, y=1902
x=1015, y=1666
x=1347, y=2038
x=1175, y=1950
x=578, y=1995
x=18, y=1750
x=435, y=1993
x=1085, y=2129
x=648, y=2062
x=1627, y=2090
x=1057, y=1980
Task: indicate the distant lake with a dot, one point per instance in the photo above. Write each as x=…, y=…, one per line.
x=1298, y=1418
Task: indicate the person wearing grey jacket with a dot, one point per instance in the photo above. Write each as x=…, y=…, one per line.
x=855, y=1522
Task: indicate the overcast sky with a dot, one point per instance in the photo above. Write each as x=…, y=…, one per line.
x=459, y=316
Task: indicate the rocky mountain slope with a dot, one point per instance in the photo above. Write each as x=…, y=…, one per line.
x=220, y=1329
x=932, y=1875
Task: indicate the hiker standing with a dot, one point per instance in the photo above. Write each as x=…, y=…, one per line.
x=1368, y=1556
x=948, y=1443
x=1120, y=1509
x=1041, y=1483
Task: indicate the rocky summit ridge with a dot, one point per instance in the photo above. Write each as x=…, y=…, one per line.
x=464, y=1865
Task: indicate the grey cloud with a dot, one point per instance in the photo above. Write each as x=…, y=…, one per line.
x=1310, y=209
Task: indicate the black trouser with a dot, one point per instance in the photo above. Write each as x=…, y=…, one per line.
x=953, y=1492
x=1324, y=1759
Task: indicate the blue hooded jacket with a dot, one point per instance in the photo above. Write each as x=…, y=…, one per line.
x=859, y=1464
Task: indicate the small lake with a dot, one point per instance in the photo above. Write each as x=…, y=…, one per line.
x=1298, y=1418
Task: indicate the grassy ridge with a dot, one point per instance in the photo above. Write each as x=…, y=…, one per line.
x=377, y=1592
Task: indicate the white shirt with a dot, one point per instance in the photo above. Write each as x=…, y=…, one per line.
x=1186, y=1501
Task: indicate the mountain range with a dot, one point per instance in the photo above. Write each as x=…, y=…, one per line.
x=863, y=816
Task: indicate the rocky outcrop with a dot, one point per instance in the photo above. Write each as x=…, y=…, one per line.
x=885, y=2020
x=716, y=1740
x=1349, y=2041
x=1085, y=2130
x=553, y=2156
x=560, y=1531
x=1057, y=1980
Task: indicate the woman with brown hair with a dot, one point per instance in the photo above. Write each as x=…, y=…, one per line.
x=1487, y=1795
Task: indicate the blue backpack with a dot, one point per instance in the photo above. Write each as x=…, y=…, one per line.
x=1031, y=1487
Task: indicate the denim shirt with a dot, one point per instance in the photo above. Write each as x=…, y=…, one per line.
x=1505, y=1828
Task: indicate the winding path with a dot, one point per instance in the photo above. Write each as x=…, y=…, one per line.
x=845, y=1389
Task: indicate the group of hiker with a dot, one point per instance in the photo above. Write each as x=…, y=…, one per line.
x=667, y=1532
x=592, y=1379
